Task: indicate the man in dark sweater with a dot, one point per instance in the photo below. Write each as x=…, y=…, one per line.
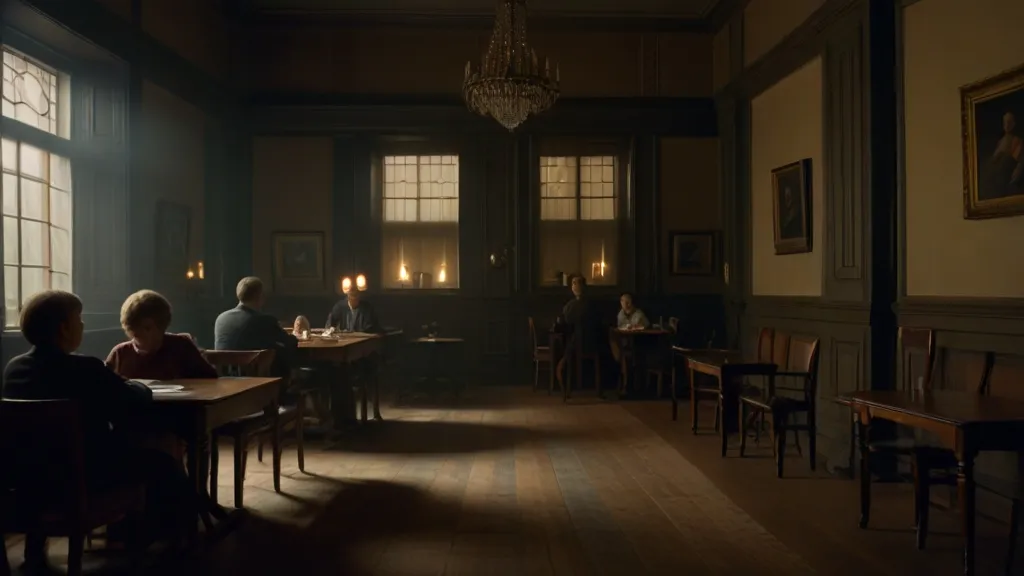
x=353, y=315
x=245, y=327
x=112, y=409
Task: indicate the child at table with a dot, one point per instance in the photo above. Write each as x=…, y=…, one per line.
x=112, y=410
x=151, y=352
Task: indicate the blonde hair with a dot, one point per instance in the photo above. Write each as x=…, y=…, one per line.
x=302, y=321
x=145, y=305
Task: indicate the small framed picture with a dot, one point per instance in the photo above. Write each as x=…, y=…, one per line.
x=692, y=253
x=791, y=202
x=299, y=262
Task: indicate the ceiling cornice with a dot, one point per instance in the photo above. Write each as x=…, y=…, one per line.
x=543, y=21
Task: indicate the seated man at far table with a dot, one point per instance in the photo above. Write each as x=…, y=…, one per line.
x=353, y=315
x=114, y=417
x=246, y=327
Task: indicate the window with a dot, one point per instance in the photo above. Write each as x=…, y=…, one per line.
x=37, y=214
x=420, y=245
x=579, y=210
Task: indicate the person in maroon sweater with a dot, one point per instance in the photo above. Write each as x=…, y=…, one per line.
x=151, y=352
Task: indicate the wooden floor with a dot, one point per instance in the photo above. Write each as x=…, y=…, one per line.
x=511, y=482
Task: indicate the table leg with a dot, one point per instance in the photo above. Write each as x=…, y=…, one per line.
x=693, y=403
x=376, y=395
x=966, y=488
x=865, y=471
x=675, y=398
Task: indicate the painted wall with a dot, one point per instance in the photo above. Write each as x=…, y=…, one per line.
x=945, y=47
x=691, y=200
x=293, y=179
x=322, y=59
x=768, y=22
x=195, y=29
x=721, y=60
x=786, y=126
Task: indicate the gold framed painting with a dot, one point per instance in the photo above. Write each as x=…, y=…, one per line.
x=299, y=262
x=791, y=207
x=992, y=112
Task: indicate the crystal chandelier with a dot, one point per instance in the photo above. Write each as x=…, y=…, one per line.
x=510, y=85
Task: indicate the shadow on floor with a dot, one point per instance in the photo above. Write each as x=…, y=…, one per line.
x=439, y=437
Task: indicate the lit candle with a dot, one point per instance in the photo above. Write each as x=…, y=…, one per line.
x=202, y=273
x=442, y=275
x=190, y=274
x=403, y=273
x=361, y=282
x=346, y=285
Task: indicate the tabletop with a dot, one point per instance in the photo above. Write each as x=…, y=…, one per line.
x=210, y=390
x=318, y=342
x=957, y=408
x=644, y=332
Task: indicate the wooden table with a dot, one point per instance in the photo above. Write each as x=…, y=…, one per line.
x=206, y=404
x=733, y=356
x=965, y=422
x=728, y=369
x=631, y=335
x=342, y=350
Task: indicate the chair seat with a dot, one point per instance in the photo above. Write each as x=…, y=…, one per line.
x=779, y=404
x=106, y=506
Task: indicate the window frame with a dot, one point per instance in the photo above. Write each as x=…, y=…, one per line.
x=54, y=144
x=412, y=146
x=623, y=150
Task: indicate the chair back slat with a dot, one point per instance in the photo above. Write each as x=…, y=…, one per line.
x=43, y=451
x=780, y=351
x=533, y=332
x=803, y=358
x=765, y=339
x=916, y=349
x=251, y=363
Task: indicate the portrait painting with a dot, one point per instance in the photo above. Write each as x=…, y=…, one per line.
x=791, y=207
x=692, y=253
x=992, y=112
x=299, y=261
x=173, y=228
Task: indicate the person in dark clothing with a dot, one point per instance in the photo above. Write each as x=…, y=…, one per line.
x=112, y=408
x=353, y=315
x=585, y=332
x=245, y=327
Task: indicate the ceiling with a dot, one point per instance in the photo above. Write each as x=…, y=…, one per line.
x=609, y=8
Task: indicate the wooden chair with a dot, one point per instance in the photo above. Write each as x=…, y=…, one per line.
x=662, y=361
x=802, y=365
x=243, y=430
x=541, y=355
x=765, y=347
x=45, y=491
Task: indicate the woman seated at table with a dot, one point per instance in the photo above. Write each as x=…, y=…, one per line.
x=151, y=352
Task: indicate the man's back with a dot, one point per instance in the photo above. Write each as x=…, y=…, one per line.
x=105, y=397
x=243, y=328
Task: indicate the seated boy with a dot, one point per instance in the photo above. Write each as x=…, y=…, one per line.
x=111, y=408
x=152, y=353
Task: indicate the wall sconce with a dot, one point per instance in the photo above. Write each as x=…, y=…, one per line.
x=361, y=283
x=197, y=272
x=346, y=285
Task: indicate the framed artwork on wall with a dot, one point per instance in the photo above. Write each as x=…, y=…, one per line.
x=692, y=253
x=299, y=262
x=791, y=207
x=992, y=112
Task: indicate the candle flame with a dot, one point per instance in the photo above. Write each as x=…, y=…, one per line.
x=361, y=282
x=442, y=275
x=403, y=273
x=346, y=285
x=202, y=273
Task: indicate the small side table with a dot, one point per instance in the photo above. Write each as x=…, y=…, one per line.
x=444, y=364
